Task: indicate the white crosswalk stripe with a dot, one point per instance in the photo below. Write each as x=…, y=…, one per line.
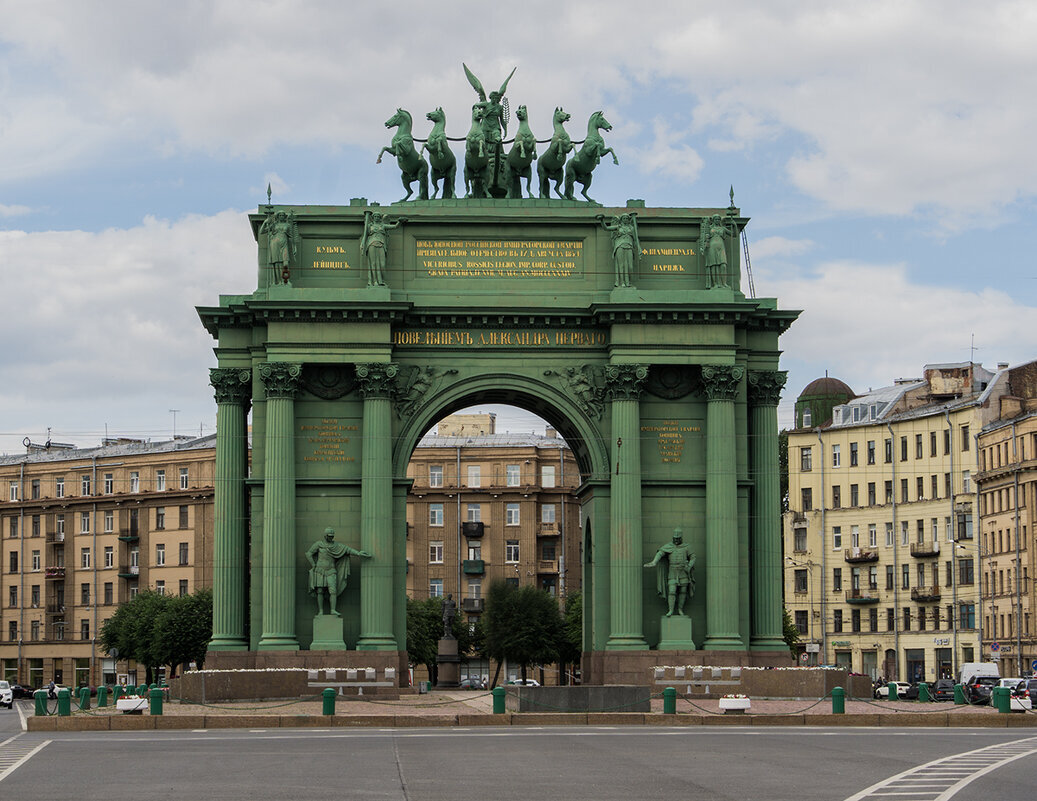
x=16, y=751
x=941, y=779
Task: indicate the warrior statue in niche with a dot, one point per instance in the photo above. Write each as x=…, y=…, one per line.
x=282, y=243
x=373, y=244
x=676, y=581
x=329, y=569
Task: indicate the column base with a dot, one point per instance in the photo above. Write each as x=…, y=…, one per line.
x=227, y=644
x=327, y=634
x=724, y=643
x=621, y=642
x=768, y=644
x=278, y=644
x=675, y=634
x=377, y=642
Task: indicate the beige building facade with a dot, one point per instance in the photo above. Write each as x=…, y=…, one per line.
x=82, y=531
x=881, y=561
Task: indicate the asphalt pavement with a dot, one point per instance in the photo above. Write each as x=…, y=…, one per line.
x=571, y=763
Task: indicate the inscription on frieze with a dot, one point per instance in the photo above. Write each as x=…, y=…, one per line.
x=670, y=438
x=499, y=258
x=327, y=440
x=661, y=258
x=501, y=338
x=329, y=256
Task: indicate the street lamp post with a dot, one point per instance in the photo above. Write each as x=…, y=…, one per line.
x=810, y=565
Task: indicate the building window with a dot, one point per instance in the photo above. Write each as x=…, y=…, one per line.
x=84, y=481
x=918, y=446
x=182, y=522
x=799, y=579
x=14, y=490
x=932, y=443
x=871, y=451
x=853, y=454
x=84, y=522
x=837, y=621
x=837, y=499
x=967, y=616
x=34, y=630
x=837, y=537
x=855, y=536
x=903, y=490
x=871, y=493
x=934, y=486
x=12, y=596
x=134, y=557
x=160, y=587
x=474, y=588
x=511, y=551
x=966, y=572
x=889, y=535
x=160, y=480
x=920, y=487
x=512, y=474
x=109, y=556
x=888, y=455
x=35, y=525
x=807, y=499
x=474, y=475
x=855, y=495
x=435, y=588
x=547, y=476
x=185, y=478
x=59, y=487
x=873, y=537
x=799, y=540
x=435, y=514
x=947, y=485
x=473, y=512
x=965, y=438
x=84, y=595
x=109, y=521
x=547, y=513
x=855, y=620
x=183, y=587
x=966, y=481
x=836, y=456
x=903, y=449
x=35, y=489
x=511, y=514
x=134, y=481
x=37, y=563
x=801, y=621
x=435, y=475
x=109, y=593
x=837, y=579
x=109, y=483
x=905, y=577
x=474, y=550
x=806, y=459
x=907, y=618
x=160, y=555
x=184, y=553
x=160, y=517
x=12, y=631
x=12, y=563
x=435, y=552
x=890, y=577
x=84, y=557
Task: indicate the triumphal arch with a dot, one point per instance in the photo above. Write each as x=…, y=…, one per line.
x=627, y=328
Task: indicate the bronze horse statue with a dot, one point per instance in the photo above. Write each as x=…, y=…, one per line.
x=412, y=166
x=476, y=160
x=441, y=157
x=589, y=156
x=520, y=157
x=549, y=167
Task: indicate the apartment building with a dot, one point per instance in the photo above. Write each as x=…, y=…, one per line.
x=83, y=530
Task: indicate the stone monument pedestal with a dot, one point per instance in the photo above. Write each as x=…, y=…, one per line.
x=448, y=664
x=675, y=634
x=327, y=634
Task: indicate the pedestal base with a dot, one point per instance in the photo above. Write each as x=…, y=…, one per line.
x=675, y=634
x=448, y=665
x=327, y=634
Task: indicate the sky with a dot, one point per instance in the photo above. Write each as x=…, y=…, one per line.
x=882, y=150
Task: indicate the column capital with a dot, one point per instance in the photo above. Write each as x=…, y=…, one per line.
x=281, y=379
x=720, y=381
x=377, y=380
x=625, y=381
x=765, y=386
x=231, y=385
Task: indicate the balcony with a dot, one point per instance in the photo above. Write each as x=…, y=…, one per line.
x=55, y=537
x=472, y=530
x=547, y=530
x=866, y=596
x=473, y=567
x=925, y=549
x=858, y=555
x=54, y=573
x=129, y=571
x=131, y=536
x=547, y=566
x=472, y=605
x=55, y=609
x=925, y=594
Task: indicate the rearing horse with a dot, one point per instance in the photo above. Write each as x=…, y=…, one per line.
x=476, y=162
x=552, y=160
x=521, y=156
x=589, y=156
x=441, y=157
x=411, y=164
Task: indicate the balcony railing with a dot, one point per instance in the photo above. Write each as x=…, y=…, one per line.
x=924, y=549
x=547, y=566
x=55, y=536
x=472, y=605
x=473, y=567
x=54, y=572
x=472, y=529
x=857, y=555
x=55, y=609
x=129, y=571
x=863, y=596
x=548, y=530
x=925, y=594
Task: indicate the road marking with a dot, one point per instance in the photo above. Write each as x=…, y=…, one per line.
x=14, y=754
x=21, y=715
x=948, y=775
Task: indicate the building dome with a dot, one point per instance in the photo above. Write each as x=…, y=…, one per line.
x=815, y=403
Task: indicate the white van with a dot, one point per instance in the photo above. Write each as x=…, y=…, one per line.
x=974, y=670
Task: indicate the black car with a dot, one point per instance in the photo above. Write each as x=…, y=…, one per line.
x=1027, y=688
x=978, y=692
x=21, y=691
x=942, y=690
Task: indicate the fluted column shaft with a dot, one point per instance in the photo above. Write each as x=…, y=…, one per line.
x=233, y=388
x=765, y=532
x=624, y=383
x=279, y=560
x=722, y=630
x=377, y=382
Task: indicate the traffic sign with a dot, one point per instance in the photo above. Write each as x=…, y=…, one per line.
x=805, y=657
x=1033, y=666
x=995, y=646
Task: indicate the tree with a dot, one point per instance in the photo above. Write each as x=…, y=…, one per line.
x=571, y=646
x=183, y=629
x=789, y=631
x=523, y=626
x=131, y=630
x=424, y=628
x=783, y=469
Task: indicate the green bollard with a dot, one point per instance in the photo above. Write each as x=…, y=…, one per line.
x=40, y=697
x=156, y=701
x=84, y=697
x=117, y=693
x=1004, y=699
x=959, y=694
x=142, y=691
x=329, y=701
x=669, y=701
x=838, y=701
x=894, y=694
x=498, y=700
x=923, y=692
x=102, y=697
x=64, y=702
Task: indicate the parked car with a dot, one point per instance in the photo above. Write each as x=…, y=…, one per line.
x=525, y=682
x=978, y=692
x=942, y=690
x=6, y=695
x=21, y=691
x=904, y=690
x=1031, y=688
x=472, y=683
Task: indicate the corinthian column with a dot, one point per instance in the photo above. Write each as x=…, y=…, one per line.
x=624, y=384
x=377, y=382
x=233, y=389
x=722, y=630
x=281, y=381
x=765, y=531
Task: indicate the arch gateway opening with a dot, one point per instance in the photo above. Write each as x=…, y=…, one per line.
x=626, y=328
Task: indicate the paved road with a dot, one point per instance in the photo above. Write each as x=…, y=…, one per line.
x=572, y=763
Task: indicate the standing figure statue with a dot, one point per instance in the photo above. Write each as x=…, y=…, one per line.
x=675, y=582
x=412, y=166
x=329, y=569
x=626, y=247
x=449, y=613
x=494, y=113
x=374, y=246
x=714, y=245
x=282, y=243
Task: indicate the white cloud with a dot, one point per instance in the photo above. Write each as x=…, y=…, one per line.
x=780, y=247
x=13, y=211
x=668, y=153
